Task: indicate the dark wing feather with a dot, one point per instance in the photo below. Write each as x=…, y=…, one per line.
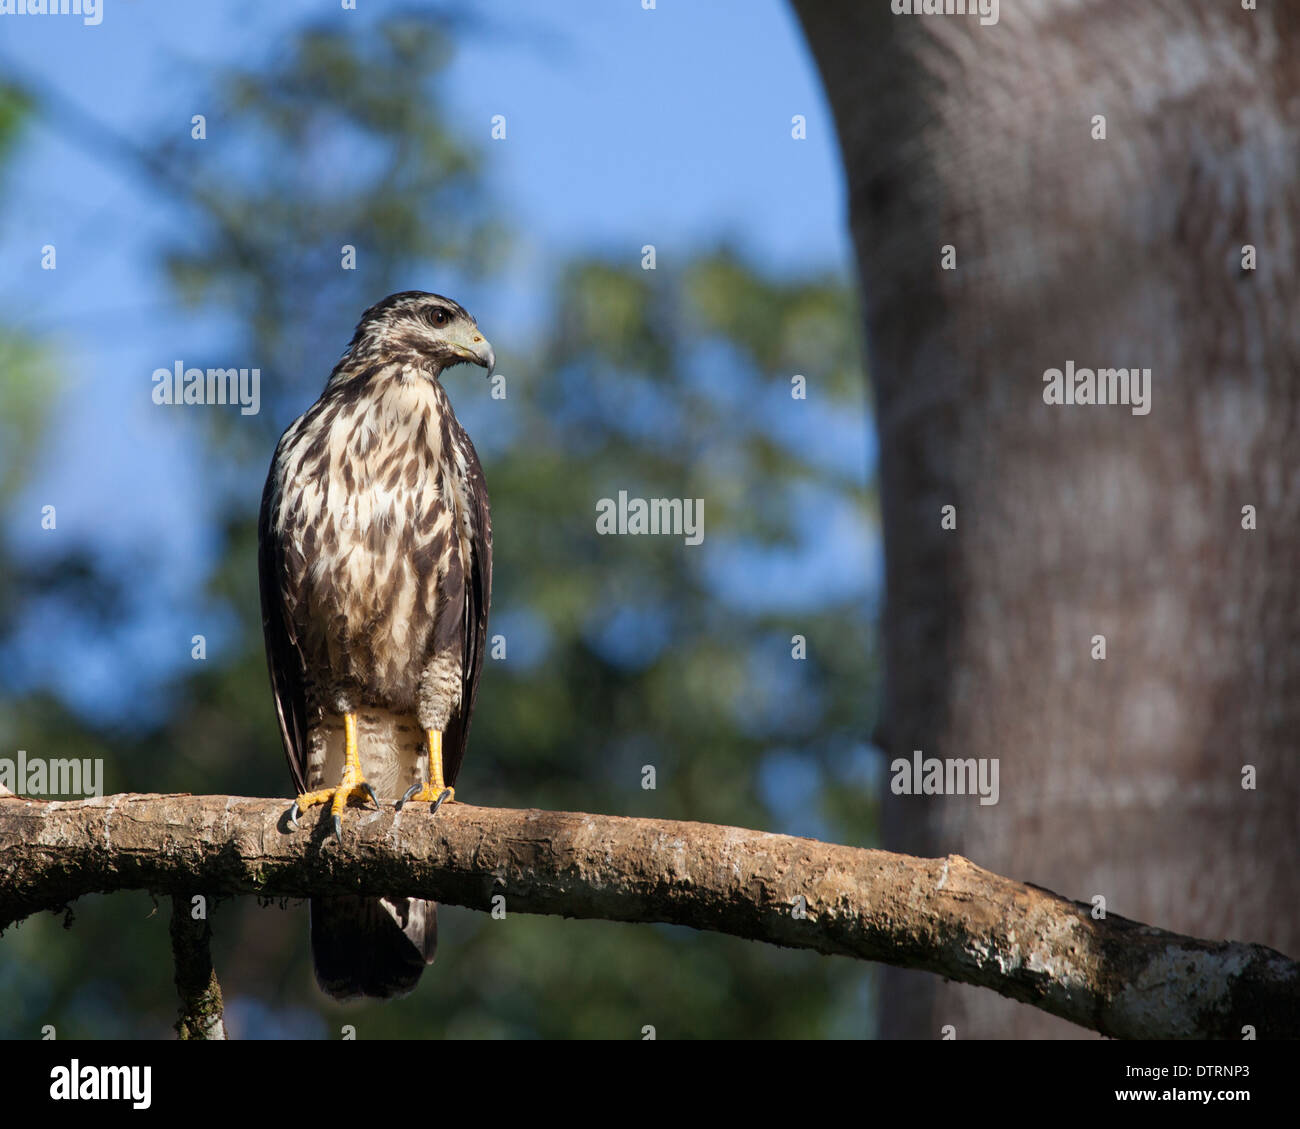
x=282, y=654
x=478, y=596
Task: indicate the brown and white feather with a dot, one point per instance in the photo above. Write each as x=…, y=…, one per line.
x=375, y=555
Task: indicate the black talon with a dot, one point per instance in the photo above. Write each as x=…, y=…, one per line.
x=409, y=793
x=445, y=793
x=294, y=813
x=366, y=785
x=338, y=828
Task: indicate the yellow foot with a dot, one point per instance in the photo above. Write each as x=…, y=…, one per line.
x=428, y=794
x=337, y=798
x=353, y=786
x=436, y=790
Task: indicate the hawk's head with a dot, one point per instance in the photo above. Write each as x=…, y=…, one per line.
x=429, y=327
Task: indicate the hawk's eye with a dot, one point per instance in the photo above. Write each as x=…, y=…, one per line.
x=439, y=317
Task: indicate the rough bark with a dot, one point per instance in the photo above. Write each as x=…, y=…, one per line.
x=945, y=916
x=1123, y=777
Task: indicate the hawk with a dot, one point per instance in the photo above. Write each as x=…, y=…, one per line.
x=375, y=561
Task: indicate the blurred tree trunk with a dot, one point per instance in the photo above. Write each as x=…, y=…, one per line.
x=1121, y=777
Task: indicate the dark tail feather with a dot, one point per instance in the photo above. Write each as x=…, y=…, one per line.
x=371, y=946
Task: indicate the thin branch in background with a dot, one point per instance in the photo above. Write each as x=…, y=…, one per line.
x=202, y=1009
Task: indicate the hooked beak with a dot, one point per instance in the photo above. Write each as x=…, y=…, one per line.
x=477, y=350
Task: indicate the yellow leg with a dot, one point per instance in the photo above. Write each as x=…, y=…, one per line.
x=353, y=786
x=435, y=792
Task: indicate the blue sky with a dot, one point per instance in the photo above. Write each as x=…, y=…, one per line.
x=624, y=126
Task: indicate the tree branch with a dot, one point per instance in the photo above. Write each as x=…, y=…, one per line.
x=202, y=1008
x=946, y=916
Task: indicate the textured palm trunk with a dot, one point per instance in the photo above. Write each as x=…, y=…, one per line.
x=1119, y=777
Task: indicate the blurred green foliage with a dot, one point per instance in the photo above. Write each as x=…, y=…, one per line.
x=620, y=652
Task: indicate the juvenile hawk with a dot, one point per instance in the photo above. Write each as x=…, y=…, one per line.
x=375, y=559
